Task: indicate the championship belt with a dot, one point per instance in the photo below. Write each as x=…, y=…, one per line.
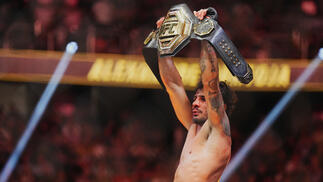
x=181, y=25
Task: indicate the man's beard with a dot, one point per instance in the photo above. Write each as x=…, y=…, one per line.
x=199, y=121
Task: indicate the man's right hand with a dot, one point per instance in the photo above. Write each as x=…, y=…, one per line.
x=160, y=22
x=199, y=14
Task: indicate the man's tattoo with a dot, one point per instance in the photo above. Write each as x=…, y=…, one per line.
x=215, y=102
x=215, y=99
x=208, y=54
x=202, y=64
x=212, y=65
x=214, y=93
x=226, y=127
x=211, y=57
x=213, y=84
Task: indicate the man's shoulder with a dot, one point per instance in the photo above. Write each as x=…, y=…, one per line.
x=222, y=131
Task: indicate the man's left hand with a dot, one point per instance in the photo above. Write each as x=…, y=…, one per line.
x=200, y=14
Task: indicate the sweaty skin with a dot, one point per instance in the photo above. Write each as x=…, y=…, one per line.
x=207, y=148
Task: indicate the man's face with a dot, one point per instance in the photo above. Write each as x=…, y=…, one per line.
x=199, y=108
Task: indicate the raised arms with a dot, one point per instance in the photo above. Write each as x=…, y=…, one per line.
x=210, y=79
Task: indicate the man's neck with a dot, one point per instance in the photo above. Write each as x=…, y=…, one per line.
x=197, y=127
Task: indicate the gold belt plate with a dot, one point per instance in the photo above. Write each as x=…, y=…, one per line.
x=175, y=29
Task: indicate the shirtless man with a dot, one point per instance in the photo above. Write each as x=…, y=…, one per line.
x=207, y=149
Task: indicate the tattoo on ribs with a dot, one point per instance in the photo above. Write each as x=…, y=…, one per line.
x=226, y=127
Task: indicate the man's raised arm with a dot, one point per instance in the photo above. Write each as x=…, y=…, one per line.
x=175, y=89
x=210, y=79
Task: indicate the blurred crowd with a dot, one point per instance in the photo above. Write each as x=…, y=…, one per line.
x=141, y=144
x=286, y=155
x=70, y=144
x=260, y=29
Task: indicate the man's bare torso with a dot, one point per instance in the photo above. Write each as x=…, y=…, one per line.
x=205, y=154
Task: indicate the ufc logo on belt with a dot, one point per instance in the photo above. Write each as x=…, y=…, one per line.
x=168, y=30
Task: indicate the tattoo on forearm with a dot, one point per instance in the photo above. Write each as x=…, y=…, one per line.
x=202, y=65
x=212, y=66
x=204, y=58
x=213, y=85
x=212, y=58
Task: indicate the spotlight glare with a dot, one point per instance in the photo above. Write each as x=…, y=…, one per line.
x=71, y=47
x=321, y=54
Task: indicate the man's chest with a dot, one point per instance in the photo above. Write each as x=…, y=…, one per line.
x=199, y=144
x=197, y=163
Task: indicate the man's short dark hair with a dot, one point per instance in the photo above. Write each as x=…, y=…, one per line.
x=229, y=96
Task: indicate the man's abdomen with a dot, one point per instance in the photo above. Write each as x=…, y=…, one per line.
x=198, y=168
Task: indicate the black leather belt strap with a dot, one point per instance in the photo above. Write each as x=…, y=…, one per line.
x=180, y=25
